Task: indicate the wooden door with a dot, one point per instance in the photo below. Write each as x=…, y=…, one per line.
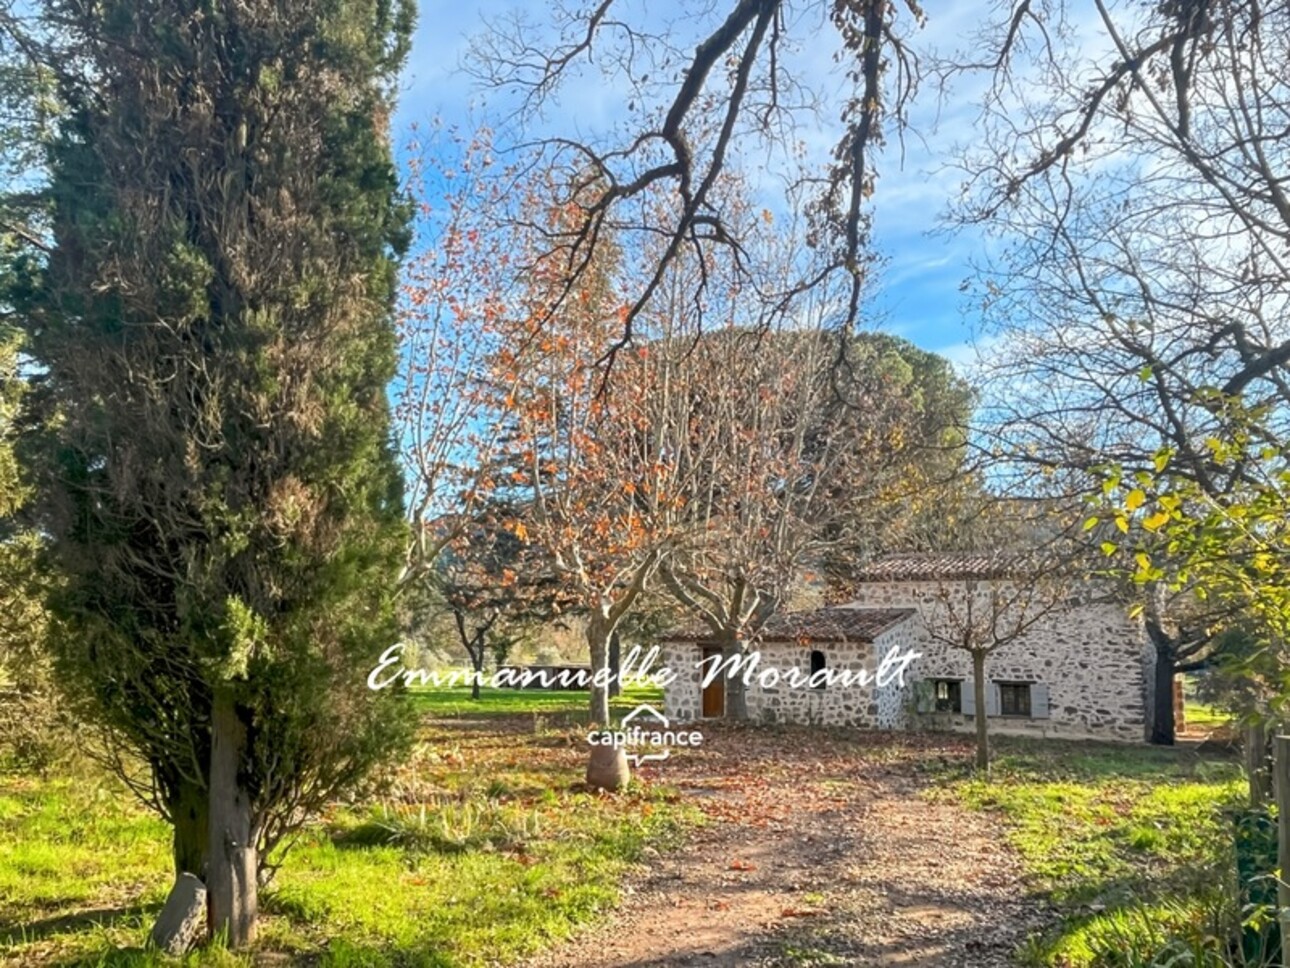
x=714, y=694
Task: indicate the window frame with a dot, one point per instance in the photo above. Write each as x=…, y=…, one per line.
x=1024, y=690
x=953, y=696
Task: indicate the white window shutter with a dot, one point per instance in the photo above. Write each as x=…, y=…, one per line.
x=992, y=699
x=1039, y=700
x=967, y=698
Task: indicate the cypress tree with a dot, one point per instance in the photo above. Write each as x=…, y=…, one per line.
x=214, y=337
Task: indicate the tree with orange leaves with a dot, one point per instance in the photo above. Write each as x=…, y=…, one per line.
x=460, y=293
x=587, y=452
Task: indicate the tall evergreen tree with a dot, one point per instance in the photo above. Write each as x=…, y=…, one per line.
x=213, y=327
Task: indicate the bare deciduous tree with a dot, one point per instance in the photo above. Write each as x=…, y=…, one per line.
x=589, y=469
x=1137, y=312
x=1141, y=194
x=798, y=464
x=693, y=113
x=456, y=290
x=999, y=604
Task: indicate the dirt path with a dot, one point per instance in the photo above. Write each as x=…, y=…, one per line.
x=815, y=855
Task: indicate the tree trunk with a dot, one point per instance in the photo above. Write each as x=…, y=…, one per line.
x=233, y=861
x=982, y=730
x=1162, y=718
x=188, y=812
x=615, y=663
x=474, y=647
x=736, y=691
x=598, y=644
x=477, y=661
x=1256, y=765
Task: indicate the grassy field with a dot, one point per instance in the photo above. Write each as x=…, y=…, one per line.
x=1130, y=844
x=1204, y=718
x=483, y=847
x=1201, y=716
x=566, y=707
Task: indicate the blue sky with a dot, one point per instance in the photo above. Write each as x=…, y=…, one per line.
x=918, y=292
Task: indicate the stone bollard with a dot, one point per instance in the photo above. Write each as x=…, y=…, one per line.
x=182, y=921
x=607, y=769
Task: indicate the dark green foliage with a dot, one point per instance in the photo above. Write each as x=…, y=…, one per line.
x=1256, y=864
x=31, y=730
x=918, y=479
x=213, y=327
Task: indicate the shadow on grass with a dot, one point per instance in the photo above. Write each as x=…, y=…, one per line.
x=348, y=954
x=118, y=958
x=365, y=836
x=1187, y=918
x=14, y=932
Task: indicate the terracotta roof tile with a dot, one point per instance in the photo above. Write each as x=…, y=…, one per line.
x=943, y=566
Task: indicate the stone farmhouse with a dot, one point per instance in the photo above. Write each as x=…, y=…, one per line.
x=1081, y=668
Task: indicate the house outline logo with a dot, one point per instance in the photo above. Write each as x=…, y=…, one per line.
x=645, y=735
x=662, y=722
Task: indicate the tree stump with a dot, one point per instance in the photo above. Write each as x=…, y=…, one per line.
x=607, y=769
x=183, y=918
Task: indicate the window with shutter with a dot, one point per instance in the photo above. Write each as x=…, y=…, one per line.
x=1014, y=698
x=992, y=699
x=947, y=695
x=1039, y=700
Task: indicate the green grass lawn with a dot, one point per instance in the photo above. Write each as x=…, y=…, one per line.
x=1202, y=717
x=1129, y=843
x=564, y=707
x=1205, y=718
x=484, y=847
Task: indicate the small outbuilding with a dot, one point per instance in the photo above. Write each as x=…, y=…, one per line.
x=796, y=669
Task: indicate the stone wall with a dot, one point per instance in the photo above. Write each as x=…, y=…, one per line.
x=836, y=704
x=682, y=700
x=895, y=699
x=1094, y=660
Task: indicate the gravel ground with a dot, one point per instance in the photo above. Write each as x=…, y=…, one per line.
x=821, y=849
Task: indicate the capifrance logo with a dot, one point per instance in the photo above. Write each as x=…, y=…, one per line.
x=645, y=734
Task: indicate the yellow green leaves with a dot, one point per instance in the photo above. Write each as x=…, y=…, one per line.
x=1140, y=506
x=1155, y=522
x=1146, y=570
